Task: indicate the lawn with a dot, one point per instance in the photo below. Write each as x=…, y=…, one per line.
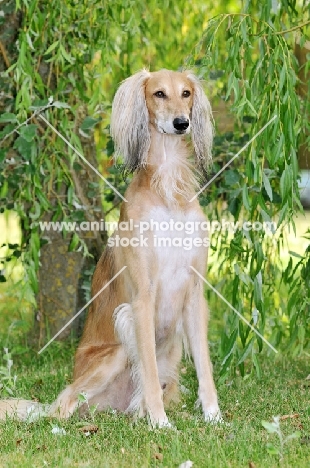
x=241, y=441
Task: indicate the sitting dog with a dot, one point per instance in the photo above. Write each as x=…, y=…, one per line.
x=129, y=355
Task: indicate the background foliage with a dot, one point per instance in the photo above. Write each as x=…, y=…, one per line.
x=78, y=52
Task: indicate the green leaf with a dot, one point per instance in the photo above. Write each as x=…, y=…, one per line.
x=286, y=182
x=74, y=242
x=294, y=435
x=251, y=107
x=35, y=214
x=23, y=147
x=295, y=254
x=42, y=199
x=28, y=132
x=245, y=198
x=65, y=54
x=82, y=398
x=245, y=352
x=257, y=365
x=51, y=47
x=61, y=105
x=267, y=186
x=8, y=117
x=270, y=426
x=272, y=450
x=259, y=260
x=232, y=177
x=89, y=123
x=70, y=194
x=29, y=41
x=282, y=78
x=229, y=346
x=282, y=215
x=33, y=278
x=39, y=104
x=258, y=294
x=243, y=276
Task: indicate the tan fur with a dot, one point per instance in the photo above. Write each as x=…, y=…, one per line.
x=131, y=348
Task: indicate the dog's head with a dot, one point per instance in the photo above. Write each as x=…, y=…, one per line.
x=172, y=102
x=169, y=100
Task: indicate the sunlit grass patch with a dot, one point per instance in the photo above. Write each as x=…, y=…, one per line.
x=120, y=442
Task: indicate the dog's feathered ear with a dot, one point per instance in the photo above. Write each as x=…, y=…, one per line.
x=202, y=124
x=130, y=121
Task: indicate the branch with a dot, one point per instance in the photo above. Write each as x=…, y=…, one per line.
x=299, y=26
x=4, y=55
x=41, y=109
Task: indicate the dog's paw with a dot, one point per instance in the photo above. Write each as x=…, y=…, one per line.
x=164, y=425
x=160, y=423
x=62, y=408
x=213, y=416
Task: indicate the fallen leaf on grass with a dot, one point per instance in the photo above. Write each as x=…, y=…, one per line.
x=158, y=456
x=38, y=382
x=18, y=442
x=89, y=429
x=289, y=416
x=298, y=425
x=41, y=447
x=251, y=465
x=305, y=440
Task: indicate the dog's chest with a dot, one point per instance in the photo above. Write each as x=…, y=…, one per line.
x=176, y=237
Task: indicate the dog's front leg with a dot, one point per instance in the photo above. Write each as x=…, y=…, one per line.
x=152, y=395
x=195, y=323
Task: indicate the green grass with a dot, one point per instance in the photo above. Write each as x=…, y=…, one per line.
x=120, y=442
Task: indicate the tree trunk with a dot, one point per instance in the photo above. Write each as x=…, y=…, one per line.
x=62, y=273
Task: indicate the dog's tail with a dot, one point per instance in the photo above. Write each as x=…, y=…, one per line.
x=23, y=410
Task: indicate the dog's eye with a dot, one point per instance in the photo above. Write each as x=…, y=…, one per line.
x=160, y=94
x=186, y=93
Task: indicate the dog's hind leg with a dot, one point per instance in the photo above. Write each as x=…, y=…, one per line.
x=97, y=376
x=168, y=361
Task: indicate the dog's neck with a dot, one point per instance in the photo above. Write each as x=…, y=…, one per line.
x=166, y=149
x=170, y=173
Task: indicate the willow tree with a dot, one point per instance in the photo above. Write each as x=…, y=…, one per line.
x=68, y=59
x=260, y=79
x=78, y=52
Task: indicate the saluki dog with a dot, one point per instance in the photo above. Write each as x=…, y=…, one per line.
x=129, y=355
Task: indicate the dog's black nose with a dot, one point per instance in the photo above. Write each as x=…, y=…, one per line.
x=180, y=124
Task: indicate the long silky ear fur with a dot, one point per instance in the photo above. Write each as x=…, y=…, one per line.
x=202, y=125
x=130, y=122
